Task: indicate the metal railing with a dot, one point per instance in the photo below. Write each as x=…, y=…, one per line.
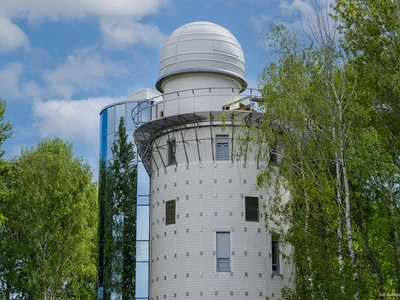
x=192, y=100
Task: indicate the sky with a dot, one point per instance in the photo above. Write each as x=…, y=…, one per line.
x=61, y=62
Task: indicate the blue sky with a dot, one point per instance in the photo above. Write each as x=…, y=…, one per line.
x=61, y=62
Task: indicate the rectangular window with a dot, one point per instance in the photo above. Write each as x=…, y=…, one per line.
x=171, y=152
x=273, y=155
x=251, y=209
x=170, y=211
x=222, y=149
x=223, y=252
x=275, y=253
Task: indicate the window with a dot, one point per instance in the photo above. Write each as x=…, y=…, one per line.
x=251, y=209
x=275, y=253
x=171, y=152
x=223, y=252
x=170, y=211
x=222, y=151
x=273, y=155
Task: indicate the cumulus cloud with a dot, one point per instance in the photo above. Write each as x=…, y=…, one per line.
x=75, y=9
x=75, y=120
x=82, y=70
x=295, y=7
x=314, y=16
x=10, y=80
x=11, y=36
x=120, y=34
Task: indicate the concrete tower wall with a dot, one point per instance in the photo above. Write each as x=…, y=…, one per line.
x=210, y=198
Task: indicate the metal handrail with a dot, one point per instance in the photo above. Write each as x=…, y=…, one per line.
x=252, y=95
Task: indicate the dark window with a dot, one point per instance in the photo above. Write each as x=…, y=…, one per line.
x=223, y=252
x=222, y=149
x=170, y=211
x=275, y=253
x=273, y=155
x=252, y=209
x=171, y=152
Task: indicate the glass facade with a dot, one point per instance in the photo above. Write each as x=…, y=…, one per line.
x=112, y=258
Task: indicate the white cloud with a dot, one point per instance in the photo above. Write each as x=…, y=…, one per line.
x=32, y=90
x=83, y=70
x=11, y=36
x=10, y=81
x=74, y=121
x=120, y=34
x=75, y=9
x=314, y=16
x=294, y=7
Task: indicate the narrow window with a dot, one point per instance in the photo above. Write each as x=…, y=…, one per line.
x=170, y=211
x=251, y=209
x=223, y=252
x=273, y=155
x=275, y=253
x=171, y=152
x=222, y=142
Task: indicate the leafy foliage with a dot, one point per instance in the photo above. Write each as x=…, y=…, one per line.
x=49, y=238
x=5, y=132
x=371, y=35
x=337, y=160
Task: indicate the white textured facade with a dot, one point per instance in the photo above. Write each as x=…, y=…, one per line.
x=207, y=243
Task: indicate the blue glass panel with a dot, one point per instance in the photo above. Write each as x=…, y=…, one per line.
x=143, y=181
x=119, y=112
x=110, y=141
x=142, y=251
x=142, y=223
x=130, y=138
x=143, y=200
x=103, y=123
x=103, y=148
x=142, y=279
x=111, y=120
x=128, y=117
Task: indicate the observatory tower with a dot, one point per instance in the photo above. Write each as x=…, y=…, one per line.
x=208, y=239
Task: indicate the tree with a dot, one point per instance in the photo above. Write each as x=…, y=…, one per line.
x=117, y=231
x=50, y=233
x=335, y=163
x=5, y=167
x=371, y=35
x=5, y=132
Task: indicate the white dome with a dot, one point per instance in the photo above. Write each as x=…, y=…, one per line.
x=201, y=47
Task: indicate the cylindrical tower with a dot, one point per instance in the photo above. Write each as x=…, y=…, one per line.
x=207, y=237
x=111, y=220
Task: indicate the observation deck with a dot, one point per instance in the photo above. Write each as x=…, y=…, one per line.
x=193, y=108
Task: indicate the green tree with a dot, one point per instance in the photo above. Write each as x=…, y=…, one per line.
x=5, y=175
x=371, y=35
x=5, y=132
x=117, y=231
x=50, y=232
x=332, y=159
